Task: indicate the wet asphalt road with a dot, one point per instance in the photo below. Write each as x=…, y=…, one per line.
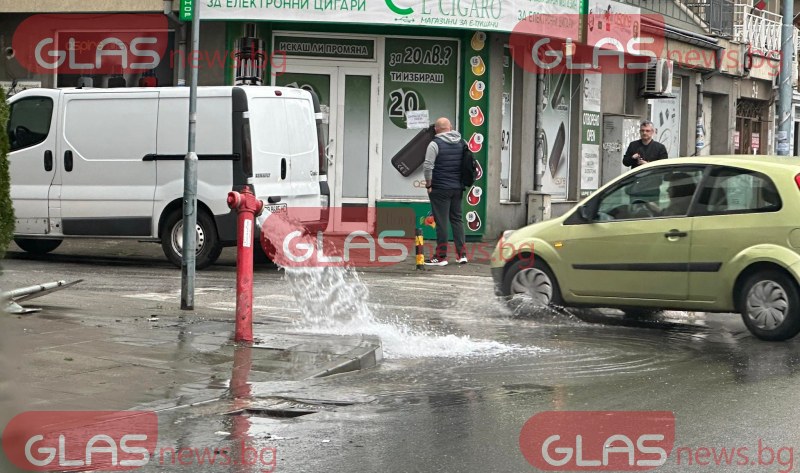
x=463, y=374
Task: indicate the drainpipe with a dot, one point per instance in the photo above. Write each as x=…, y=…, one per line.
x=538, y=162
x=785, y=77
x=181, y=30
x=700, y=135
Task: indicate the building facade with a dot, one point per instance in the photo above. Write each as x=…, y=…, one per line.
x=384, y=70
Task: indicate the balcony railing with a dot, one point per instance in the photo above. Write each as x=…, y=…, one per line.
x=716, y=14
x=761, y=29
x=675, y=12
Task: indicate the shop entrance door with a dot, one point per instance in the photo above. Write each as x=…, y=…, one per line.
x=351, y=113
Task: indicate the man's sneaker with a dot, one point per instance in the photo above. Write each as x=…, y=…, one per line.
x=435, y=262
x=462, y=260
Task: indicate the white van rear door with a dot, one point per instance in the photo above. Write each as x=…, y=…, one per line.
x=271, y=150
x=106, y=142
x=32, y=139
x=301, y=129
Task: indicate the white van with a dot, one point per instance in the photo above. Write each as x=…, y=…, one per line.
x=109, y=163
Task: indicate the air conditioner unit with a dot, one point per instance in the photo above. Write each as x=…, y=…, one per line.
x=658, y=78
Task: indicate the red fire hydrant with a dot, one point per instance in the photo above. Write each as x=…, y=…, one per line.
x=248, y=207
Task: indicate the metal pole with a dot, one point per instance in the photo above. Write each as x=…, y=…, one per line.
x=190, y=178
x=785, y=90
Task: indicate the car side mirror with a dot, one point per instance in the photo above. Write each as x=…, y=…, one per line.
x=587, y=212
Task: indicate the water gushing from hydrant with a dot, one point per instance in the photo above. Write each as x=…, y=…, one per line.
x=333, y=299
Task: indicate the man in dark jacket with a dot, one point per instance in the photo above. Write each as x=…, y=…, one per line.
x=646, y=149
x=443, y=179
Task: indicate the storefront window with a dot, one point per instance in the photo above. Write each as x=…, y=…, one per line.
x=559, y=91
x=421, y=76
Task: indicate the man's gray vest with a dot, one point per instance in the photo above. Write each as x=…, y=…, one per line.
x=447, y=168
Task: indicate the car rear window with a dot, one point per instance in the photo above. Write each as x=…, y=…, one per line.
x=733, y=190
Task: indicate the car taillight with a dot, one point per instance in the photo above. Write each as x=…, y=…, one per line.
x=797, y=180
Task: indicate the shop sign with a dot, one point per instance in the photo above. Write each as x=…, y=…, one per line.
x=330, y=48
x=476, y=128
x=590, y=134
x=755, y=141
x=493, y=15
x=187, y=10
x=735, y=140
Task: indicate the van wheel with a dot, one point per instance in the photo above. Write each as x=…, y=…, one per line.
x=37, y=247
x=208, y=247
x=770, y=306
x=532, y=280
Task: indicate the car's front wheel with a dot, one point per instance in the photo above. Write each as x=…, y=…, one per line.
x=770, y=305
x=534, y=281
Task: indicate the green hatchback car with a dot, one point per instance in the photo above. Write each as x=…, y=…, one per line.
x=713, y=234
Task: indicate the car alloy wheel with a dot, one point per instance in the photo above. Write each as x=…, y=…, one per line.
x=767, y=305
x=533, y=283
x=770, y=305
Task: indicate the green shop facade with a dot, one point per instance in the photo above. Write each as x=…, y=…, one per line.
x=383, y=71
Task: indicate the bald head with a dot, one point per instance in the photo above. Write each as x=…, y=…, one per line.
x=442, y=125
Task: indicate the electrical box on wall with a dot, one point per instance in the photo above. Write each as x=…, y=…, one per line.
x=539, y=207
x=618, y=132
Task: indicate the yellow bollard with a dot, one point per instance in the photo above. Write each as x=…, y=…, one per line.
x=419, y=241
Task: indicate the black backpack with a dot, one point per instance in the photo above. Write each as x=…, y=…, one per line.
x=469, y=167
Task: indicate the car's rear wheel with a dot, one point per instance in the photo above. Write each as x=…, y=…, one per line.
x=770, y=305
x=534, y=281
x=208, y=246
x=37, y=247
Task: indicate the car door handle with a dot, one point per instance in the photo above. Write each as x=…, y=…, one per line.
x=48, y=160
x=675, y=233
x=68, y=161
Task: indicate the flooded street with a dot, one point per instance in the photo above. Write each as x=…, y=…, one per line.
x=464, y=411
x=460, y=376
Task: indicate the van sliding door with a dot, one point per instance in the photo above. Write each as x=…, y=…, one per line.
x=107, y=181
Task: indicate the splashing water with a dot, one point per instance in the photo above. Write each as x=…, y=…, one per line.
x=334, y=300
